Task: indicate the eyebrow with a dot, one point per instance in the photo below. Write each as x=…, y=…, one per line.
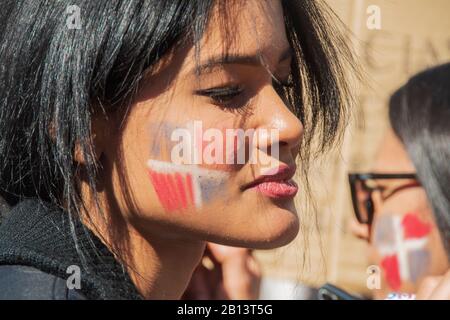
x=253, y=60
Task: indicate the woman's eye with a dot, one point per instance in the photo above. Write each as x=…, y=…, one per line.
x=222, y=96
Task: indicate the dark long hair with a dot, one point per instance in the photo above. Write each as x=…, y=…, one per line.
x=420, y=116
x=52, y=79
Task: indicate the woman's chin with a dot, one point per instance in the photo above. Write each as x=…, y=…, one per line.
x=277, y=226
x=272, y=229
x=277, y=233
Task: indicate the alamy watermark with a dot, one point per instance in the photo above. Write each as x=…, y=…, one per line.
x=73, y=20
x=373, y=281
x=74, y=280
x=194, y=145
x=374, y=17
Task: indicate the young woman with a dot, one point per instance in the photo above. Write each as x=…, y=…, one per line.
x=404, y=205
x=93, y=96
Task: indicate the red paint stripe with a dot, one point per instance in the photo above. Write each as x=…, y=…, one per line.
x=181, y=189
x=190, y=188
x=164, y=191
x=157, y=185
x=167, y=192
x=174, y=193
x=390, y=266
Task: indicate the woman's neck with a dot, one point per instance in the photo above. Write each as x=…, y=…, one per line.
x=160, y=268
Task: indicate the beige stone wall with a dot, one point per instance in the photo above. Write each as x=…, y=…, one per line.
x=414, y=34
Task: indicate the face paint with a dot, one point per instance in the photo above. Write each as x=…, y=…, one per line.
x=181, y=186
x=401, y=242
x=162, y=143
x=180, y=182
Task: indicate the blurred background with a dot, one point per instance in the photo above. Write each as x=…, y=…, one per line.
x=414, y=35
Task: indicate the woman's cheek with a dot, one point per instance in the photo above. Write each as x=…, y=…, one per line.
x=191, y=165
x=177, y=170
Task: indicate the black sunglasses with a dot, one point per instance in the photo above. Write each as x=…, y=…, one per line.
x=362, y=186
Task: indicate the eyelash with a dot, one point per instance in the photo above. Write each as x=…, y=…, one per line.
x=224, y=96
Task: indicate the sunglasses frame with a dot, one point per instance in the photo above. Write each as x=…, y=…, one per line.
x=354, y=177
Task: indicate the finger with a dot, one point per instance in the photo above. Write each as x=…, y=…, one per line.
x=213, y=277
x=442, y=290
x=255, y=270
x=427, y=287
x=240, y=282
x=222, y=253
x=240, y=271
x=359, y=230
x=253, y=266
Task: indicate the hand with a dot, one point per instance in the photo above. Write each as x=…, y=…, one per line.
x=225, y=273
x=435, y=288
x=359, y=230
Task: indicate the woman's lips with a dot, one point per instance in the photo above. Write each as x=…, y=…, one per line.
x=277, y=189
x=277, y=183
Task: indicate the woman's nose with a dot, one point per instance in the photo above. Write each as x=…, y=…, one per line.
x=274, y=116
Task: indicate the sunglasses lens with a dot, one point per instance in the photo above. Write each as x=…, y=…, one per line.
x=363, y=202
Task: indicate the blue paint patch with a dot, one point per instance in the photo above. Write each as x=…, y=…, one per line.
x=385, y=231
x=418, y=261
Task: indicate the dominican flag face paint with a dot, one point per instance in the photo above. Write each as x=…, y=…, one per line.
x=402, y=245
x=181, y=186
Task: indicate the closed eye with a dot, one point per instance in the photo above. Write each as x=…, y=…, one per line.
x=223, y=96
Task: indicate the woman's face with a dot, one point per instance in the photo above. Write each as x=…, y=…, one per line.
x=406, y=244
x=177, y=169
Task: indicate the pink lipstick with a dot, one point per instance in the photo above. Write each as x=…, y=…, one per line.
x=278, y=184
x=278, y=189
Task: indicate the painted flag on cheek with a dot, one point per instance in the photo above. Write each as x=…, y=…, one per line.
x=405, y=257
x=181, y=186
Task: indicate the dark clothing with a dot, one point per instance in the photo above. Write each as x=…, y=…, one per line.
x=38, y=256
x=28, y=283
